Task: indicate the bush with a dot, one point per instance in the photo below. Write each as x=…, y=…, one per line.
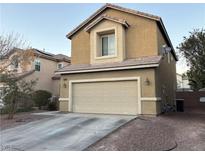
x=24, y=103
x=53, y=103
x=41, y=98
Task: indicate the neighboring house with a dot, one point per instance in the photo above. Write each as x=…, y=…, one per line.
x=122, y=62
x=182, y=83
x=42, y=68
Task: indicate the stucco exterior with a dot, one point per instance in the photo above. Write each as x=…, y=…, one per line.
x=48, y=66
x=140, y=38
x=147, y=91
x=166, y=76
x=119, y=32
x=143, y=38
x=44, y=76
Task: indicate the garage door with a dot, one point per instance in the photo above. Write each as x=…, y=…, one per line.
x=110, y=97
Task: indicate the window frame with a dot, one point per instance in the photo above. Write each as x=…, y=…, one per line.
x=97, y=43
x=37, y=65
x=101, y=44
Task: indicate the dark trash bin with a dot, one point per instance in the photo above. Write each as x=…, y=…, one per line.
x=180, y=105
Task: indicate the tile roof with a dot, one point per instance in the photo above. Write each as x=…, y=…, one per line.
x=58, y=57
x=142, y=62
x=105, y=16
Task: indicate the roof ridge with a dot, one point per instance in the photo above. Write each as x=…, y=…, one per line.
x=105, y=16
x=109, y=5
x=132, y=10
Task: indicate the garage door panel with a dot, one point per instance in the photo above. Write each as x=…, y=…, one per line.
x=113, y=97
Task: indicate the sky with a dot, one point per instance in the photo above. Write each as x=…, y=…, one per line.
x=44, y=26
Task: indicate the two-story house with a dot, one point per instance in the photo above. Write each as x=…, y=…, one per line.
x=42, y=68
x=122, y=62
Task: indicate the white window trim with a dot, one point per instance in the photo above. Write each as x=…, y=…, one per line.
x=97, y=43
x=70, y=105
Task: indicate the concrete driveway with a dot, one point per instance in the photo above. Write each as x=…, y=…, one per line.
x=61, y=132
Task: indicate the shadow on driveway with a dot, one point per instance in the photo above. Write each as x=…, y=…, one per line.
x=61, y=132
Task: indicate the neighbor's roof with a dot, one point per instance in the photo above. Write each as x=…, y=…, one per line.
x=107, y=17
x=50, y=56
x=134, y=12
x=43, y=54
x=143, y=62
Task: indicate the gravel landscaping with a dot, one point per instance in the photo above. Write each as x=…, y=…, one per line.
x=19, y=119
x=173, y=131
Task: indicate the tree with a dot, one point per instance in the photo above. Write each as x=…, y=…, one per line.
x=14, y=43
x=15, y=90
x=11, y=54
x=193, y=50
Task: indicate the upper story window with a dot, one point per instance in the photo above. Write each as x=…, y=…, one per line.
x=60, y=65
x=37, y=65
x=107, y=45
x=15, y=63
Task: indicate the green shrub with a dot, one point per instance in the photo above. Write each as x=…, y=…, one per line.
x=41, y=98
x=23, y=103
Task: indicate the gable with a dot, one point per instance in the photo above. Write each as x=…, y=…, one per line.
x=120, y=10
x=108, y=18
x=115, y=7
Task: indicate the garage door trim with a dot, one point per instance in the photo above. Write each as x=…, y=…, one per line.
x=104, y=80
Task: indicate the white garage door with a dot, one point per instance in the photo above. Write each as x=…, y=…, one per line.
x=110, y=97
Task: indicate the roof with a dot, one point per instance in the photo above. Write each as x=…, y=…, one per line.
x=116, y=7
x=134, y=12
x=143, y=62
x=104, y=16
x=43, y=54
x=50, y=56
x=56, y=77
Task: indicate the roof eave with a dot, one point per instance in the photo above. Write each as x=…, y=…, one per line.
x=109, y=69
x=167, y=36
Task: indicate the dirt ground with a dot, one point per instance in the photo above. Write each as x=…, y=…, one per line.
x=173, y=131
x=19, y=119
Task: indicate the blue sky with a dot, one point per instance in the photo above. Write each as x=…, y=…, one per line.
x=45, y=25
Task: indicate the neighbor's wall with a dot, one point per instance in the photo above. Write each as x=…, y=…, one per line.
x=44, y=76
x=140, y=38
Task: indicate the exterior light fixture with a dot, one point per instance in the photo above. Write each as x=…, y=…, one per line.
x=147, y=82
x=64, y=85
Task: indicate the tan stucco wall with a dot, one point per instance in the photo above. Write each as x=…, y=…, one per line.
x=140, y=38
x=80, y=48
x=119, y=32
x=146, y=90
x=44, y=76
x=166, y=76
x=151, y=107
